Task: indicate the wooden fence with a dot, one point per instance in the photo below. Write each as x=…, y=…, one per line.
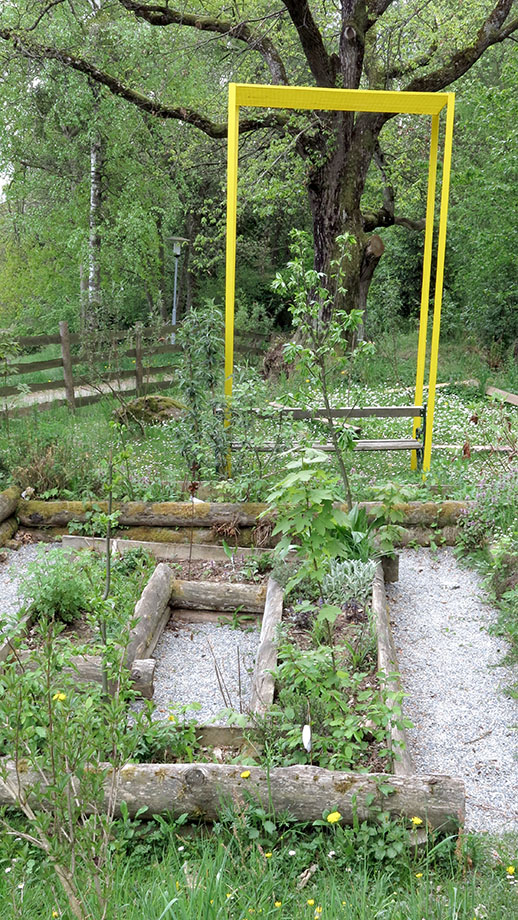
x=148, y=341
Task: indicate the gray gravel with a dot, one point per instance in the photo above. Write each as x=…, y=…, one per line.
x=452, y=671
x=186, y=671
x=11, y=571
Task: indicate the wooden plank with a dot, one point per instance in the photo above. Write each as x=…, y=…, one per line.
x=506, y=397
x=33, y=367
x=348, y=412
x=383, y=444
x=30, y=341
x=184, y=615
x=157, y=350
x=179, y=552
x=388, y=444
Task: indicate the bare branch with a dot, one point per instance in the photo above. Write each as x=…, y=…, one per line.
x=145, y=103
x=312, y=42
x=43, y=14
x=421, y=60
x=159, y=15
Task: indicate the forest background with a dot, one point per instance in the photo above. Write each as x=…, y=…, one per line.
x=112, y=141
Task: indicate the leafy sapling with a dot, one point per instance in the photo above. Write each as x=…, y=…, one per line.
x=321, y=346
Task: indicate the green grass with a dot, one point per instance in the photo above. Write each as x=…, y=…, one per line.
x=224, y=876
x=60, y=452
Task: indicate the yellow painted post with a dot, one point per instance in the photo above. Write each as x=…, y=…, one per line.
x=427, y=271
x=232, y=163
x=439, y=277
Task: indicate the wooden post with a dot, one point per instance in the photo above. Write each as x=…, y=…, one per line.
x=139, y=370
x=67, y=364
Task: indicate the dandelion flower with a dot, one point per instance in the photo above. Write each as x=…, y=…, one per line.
x=416, y=821
x=245, y=774
x=59, y=697
x=278, y=903
x=333, y=817
x=510, y=870
x=268, y=855
x=310, y=902
x=419, y=875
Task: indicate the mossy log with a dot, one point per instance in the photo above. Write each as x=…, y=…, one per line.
x=200, y=790
x=143, y=514
x=8, y=529
x=214, y=514
x=9, y=500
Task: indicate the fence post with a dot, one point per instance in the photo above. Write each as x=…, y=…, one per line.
x=67, y=364
x=139, y=370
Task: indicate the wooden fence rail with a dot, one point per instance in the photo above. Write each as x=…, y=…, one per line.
x=149, y=341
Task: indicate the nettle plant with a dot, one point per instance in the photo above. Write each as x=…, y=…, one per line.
x=324, y=335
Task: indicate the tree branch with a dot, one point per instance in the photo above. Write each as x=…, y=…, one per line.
x=373, y=220
x=492, y=31
x=312, y=42
x=146, y=103
x=158, y=15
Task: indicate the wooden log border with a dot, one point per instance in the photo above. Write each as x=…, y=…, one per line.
x=402, y=764
x=212, y=514
x=200, y=789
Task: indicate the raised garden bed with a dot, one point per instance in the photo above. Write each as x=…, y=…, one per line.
x=305, y=791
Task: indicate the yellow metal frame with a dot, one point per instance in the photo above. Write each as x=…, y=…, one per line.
x=353, y=100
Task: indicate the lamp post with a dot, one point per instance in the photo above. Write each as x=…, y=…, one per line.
x=177, y=248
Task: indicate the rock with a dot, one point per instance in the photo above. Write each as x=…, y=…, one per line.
x=150, y=410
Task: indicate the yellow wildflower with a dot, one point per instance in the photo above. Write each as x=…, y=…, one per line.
x=268, y=855
x=59, y=697
x=416, y=821
x=318, y=911
x=278, y=903
x=310, y=901
x=333, y=817
x=229, y=894
x=245, y=774
x=55, y=913
x=419, y=875
x=510, y=870
x=171, y=718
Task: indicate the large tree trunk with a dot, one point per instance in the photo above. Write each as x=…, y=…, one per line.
x=345, y=252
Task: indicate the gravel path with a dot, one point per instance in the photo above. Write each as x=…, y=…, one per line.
x=186, y=669
x=451, y=669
